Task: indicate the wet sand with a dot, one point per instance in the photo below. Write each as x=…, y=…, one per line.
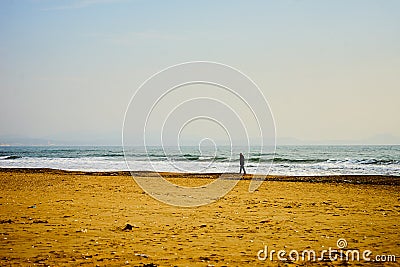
x=50, y=217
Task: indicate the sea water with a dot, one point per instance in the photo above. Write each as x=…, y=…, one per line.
x=287, y=160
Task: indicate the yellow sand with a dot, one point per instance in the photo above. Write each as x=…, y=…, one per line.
x=78, y=220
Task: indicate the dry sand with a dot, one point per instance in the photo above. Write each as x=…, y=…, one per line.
x=62, y=218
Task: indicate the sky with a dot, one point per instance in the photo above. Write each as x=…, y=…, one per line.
x=328, y=69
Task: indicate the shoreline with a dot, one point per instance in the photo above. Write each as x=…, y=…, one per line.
x=341, y=179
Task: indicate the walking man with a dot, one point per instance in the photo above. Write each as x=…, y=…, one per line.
x=242, y=164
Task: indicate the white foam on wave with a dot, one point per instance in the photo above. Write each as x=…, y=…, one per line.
x=102, y=164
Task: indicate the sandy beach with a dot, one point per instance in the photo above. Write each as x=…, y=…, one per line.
x=58, y=218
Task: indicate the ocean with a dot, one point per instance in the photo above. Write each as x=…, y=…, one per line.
x=287, y=160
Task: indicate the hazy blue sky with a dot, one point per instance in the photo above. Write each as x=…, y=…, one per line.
x=329, y=69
